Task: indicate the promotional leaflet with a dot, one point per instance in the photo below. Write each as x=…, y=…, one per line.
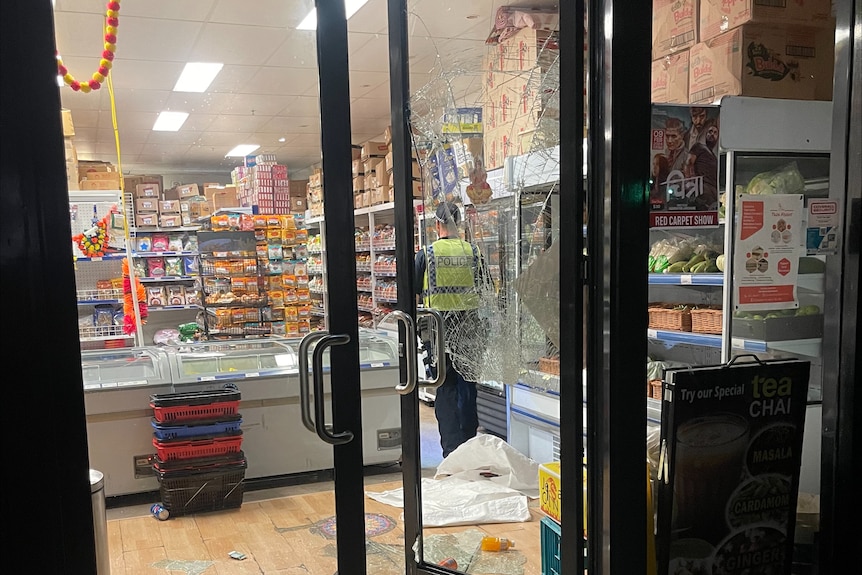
x=824, y=227
x=767, y=251
x=684, y=166
x=731, y=438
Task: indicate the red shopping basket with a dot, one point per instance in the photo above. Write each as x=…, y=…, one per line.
x=171, y=450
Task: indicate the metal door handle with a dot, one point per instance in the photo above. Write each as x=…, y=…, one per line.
x=320, y=427
x=304, y=385
x=437, y=318
x=410, y=350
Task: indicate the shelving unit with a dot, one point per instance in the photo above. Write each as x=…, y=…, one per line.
x=99, y=278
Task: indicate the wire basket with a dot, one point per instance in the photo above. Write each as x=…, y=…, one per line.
x=654, y=388
x=670, y=316
x=549, y=365
x=185, y=492
x=706, y=320
x=170, y=450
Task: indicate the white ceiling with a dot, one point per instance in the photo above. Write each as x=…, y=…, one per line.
x=268, y=88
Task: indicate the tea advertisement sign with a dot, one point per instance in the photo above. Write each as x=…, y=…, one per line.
x=731, y=442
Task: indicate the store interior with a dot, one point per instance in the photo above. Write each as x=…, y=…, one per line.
x=243, y=159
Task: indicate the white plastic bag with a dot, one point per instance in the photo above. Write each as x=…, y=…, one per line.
x=489, y=454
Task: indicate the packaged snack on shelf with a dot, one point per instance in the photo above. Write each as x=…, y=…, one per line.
x=246, y=223
x=144, y=243
x=103, y=315
x=160, y=242
x=303, y=311
x=140, y=267
x=190, y=264
x=176, y=295
x=290, y=296
x=279, y=328
x=156, y=295
x=292, y=329
x=260, y=222
x=273, y=250
x=175, y=242
x=190, y=242
x=291, y=313
x=276, y=297
x=301, y=235
x=192, y=297
x=155, y=267
x=237, y=285
x=174, y=266
x=303, y=295
x=304, y=326
x=300, y=251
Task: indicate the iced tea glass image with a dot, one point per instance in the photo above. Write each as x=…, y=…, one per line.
x=709, y=462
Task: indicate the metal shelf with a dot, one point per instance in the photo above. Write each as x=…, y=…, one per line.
x=166, y=279
x=116, y=256
x=172, y=307
x=677, y=337
x=716, y=279
x=98, y=301
x=809, y=347
x=161, y=254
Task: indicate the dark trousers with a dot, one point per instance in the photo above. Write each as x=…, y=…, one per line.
x=455, y=408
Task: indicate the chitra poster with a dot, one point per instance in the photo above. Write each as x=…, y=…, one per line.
x=729, y=468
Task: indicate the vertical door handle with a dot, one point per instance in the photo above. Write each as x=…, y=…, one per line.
x=437, y=318
x=410, y=351
x=320, y=426
x=304, y=385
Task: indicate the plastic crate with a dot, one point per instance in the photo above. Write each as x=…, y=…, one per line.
x=188, y=491
x=187, y=449
x=197, y=429
x=193, y=405
x=550, y=540
x=198, y=464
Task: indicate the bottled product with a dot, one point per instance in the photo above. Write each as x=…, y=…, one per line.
x=496, y=544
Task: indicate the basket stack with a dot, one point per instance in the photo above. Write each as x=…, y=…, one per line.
x=199, y=460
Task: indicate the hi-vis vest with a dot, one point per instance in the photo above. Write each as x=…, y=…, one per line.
x=449, y=284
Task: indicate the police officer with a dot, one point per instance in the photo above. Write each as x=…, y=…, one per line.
x=448, y=274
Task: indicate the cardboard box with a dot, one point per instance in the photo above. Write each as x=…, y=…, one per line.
x=170, y=220
x=182, y=191
x=549, y=490
x=224, y=199
x=359, y=184
x=68, y=126
x=357, y=200
x=670, y=79
x=719, y=16
x=766, y=61
x=96, y=166
x=298, y=188
x=315, y=180
x=146, y=205
x=298, y=205
x=378, y=195
x=169, y=207
x=527, y=49
x=387, y=162
x=199, y=210
x=104, y=176
x=99, y=185
x=387, y=135
x=373, y=150
x=358, y=168
x=147, y=191
x=147, y=220
x=381, y=175
x=674, y=26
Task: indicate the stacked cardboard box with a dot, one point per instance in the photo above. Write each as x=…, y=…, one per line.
x=706, y=49
x=96, y=175
x=266, y=188
x=314, y=193
x=516, y=96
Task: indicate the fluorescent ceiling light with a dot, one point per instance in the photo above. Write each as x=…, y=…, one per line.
x=197, y=76
x=351, y=7
x=242, y=150
x=169, y=121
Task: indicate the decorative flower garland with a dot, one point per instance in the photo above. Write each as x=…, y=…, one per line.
x=93, y=243
x=99, y=76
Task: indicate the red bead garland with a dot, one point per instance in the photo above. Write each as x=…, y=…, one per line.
x=106, y=62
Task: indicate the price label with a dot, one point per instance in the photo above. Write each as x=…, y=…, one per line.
x=652, y=334
x=737, y=342
x=96, y=259
x=207, y=378
x=253, y=374
x=132, y=383
x=377, y=364
x=685, y=279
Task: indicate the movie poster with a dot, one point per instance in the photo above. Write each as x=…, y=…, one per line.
x=684, y=167
x=729, y=469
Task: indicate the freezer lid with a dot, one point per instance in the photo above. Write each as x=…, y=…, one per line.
x=232, y=359
x=127, y=367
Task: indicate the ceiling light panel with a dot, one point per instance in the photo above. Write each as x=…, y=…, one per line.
x=241, y=151
x=170, y=121
x=351, y=7
x=197, y=76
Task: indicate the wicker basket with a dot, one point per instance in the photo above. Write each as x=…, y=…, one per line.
x=706, y=320
x=549, y=365
x=665, y=316
x=654, y=389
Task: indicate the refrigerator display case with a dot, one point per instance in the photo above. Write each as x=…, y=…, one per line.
x=265, y=371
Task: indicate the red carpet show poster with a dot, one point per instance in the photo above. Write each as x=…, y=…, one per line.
x=684, y=166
